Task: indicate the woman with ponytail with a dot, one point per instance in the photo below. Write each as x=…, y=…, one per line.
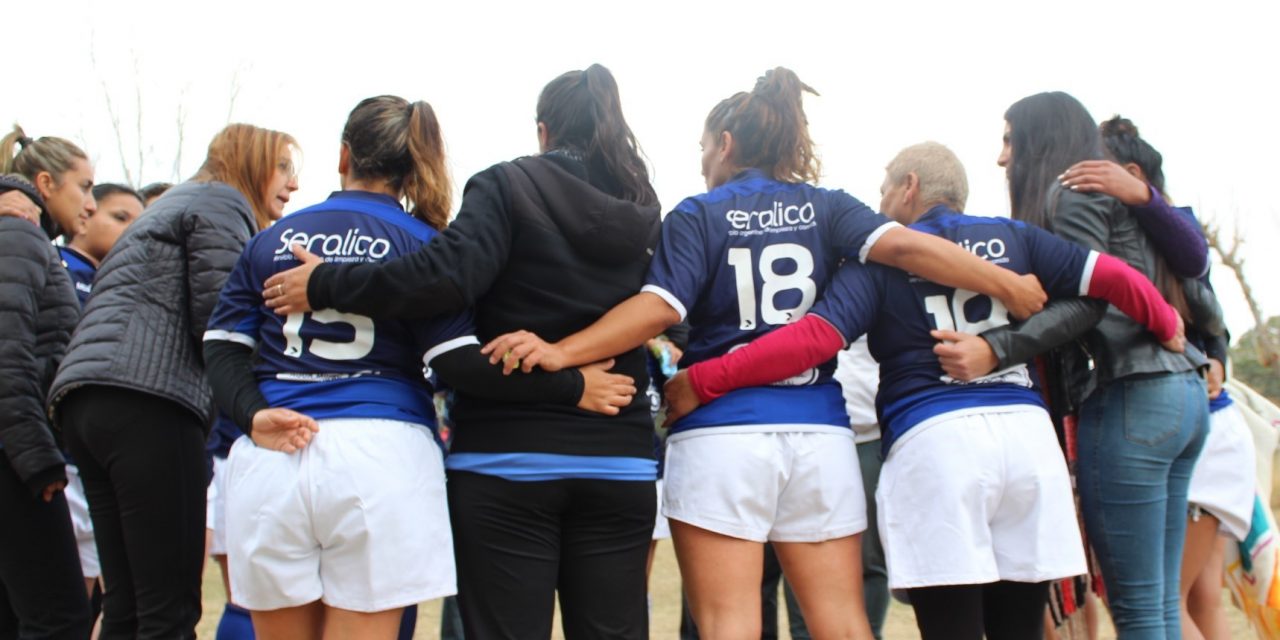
x=775, y=463
x=131, y=396
x=61, y=174
x=543, y=497
x=41, y=586
x=342, y=395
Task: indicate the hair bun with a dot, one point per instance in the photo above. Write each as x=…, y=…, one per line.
x=1118, y=126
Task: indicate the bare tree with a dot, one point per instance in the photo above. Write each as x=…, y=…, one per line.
x=134, y=175
x=235, y=93
x=182, y=129
x=1267, y=349
x=112, y=114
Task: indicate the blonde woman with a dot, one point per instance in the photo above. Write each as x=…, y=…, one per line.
x=131, y=395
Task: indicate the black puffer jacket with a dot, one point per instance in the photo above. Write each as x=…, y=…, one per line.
x=38, y=310
x=152, y=297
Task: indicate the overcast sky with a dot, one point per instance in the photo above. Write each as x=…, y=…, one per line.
x=1199, y=79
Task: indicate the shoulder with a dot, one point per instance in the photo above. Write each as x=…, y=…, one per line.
x=27, y=253
x=494, y=177
x=23, y=238
x=835, y=195
x=1065, y=202
x=205, y=195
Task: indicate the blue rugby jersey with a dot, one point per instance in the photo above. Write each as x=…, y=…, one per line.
x=898, y=310
x=222, y=435
x=81, y=272
x=325, y=363
x=749, y=256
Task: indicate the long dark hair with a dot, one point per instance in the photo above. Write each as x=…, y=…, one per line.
x=1049, y=133
x=583, y=112
x=769, y=128
x=1124, y=144
x=400, y=142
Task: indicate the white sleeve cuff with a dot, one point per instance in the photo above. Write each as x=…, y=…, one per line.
x=1086, y=278
x=447, y=346
x=230, y=336
x=667, y=297
x=874, y=238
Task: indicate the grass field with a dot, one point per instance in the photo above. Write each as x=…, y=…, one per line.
x=665, y=621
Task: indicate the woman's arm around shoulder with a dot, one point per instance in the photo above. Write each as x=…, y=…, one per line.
x=445, y=276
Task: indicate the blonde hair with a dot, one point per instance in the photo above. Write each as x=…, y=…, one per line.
x=942, y=177
x=245, y=157
x=54, y=156
x=399, y=141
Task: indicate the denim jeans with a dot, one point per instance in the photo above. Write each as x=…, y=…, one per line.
x=1139, y=438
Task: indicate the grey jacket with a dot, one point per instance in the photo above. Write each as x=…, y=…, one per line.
x=38, y=310
x=1094, y=343
x=152, y=296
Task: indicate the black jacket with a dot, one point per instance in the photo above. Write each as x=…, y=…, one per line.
x=537, y=245
x=38, y=310
x=152, y=296
x=1094, y=343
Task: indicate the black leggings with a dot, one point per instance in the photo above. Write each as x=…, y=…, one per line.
x=519, y=543
x=41, y=584
x=1002, y=610
x=142, y=461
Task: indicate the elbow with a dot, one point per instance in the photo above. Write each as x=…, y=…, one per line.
x=668, y=317
x=1192, y=265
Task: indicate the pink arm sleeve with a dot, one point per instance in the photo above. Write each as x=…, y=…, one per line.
x=775, y=356
x=1134, y=295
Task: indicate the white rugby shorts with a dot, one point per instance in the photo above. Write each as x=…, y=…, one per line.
x=661, y=527
x=357, y=519
x=1223, y=481
x=977, y=496
x=215, y=518
x=81, y=524
x=776, y=486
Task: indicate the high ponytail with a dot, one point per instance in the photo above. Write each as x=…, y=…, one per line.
x=769, y=128
x=400, y=142
x=21, y=155
x=582, y=111
x=427, y=187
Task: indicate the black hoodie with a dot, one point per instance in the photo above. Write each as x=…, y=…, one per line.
x=537, y=245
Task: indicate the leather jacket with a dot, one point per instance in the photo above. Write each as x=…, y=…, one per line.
x=1089, y=342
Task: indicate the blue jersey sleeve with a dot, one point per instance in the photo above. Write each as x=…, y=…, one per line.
x=679, y=268
x=855, y=226
x=851, y=302
x=1062, y=266
x=237, y=315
